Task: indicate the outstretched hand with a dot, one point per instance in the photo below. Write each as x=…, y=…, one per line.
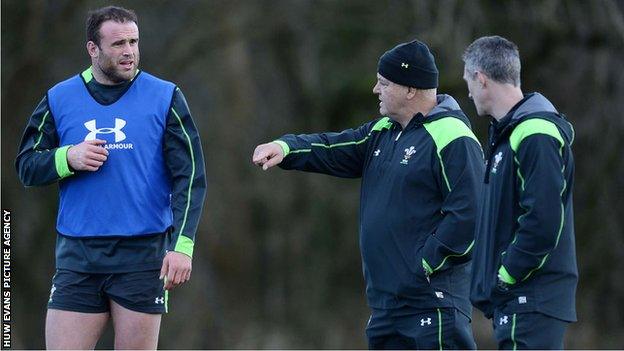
x=87, y=156
x=268, y=155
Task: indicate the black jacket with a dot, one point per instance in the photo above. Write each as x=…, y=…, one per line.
x=525, y=230
x=418, y=201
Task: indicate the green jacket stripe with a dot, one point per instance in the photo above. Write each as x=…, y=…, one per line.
x=522, y=131
x=380, y=125
x=181, y=245
x=530, y=127
x=40, y=129
x=444, y=131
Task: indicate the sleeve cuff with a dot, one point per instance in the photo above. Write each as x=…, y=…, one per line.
x=505, y=276
x=284, y=146
x=60, y=161
x=184, y=245
x=427, y=267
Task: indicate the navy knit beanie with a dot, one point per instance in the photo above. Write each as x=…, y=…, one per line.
x=410, y=64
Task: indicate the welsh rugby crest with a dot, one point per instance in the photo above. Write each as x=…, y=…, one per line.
x=408, y=154
x=497, y=158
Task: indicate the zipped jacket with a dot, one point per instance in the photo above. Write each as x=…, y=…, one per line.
x=419, y=194
x=525, y=230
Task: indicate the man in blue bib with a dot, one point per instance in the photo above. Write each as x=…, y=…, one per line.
x=127, y=156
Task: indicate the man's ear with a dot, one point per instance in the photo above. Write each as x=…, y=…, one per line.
x=482, y=79
x=92, y=49
x=411, y=92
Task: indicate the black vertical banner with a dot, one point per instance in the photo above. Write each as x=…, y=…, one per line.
x=6, y=279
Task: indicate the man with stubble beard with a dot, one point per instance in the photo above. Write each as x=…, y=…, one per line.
x=127, y=156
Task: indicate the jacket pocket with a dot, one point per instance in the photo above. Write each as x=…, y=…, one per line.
x=420, y=275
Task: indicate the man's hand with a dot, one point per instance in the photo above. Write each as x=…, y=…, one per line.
x=268, y=155
x=176, y=269
x=87, y=156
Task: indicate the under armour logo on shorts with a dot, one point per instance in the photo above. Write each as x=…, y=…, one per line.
x=425, y=321
x=503, y=320
x=52, y=292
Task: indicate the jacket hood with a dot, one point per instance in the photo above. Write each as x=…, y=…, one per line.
x=447, y=106
x=536, y=105
x=445, y=102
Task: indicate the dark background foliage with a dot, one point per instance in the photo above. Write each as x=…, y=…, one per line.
x=277, y=262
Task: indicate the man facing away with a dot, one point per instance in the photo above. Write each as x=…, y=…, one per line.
x=524, y=271
x=123, y=147
x=420, y=167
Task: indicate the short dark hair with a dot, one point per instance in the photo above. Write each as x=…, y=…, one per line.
x=495, y=56
x=95, y=19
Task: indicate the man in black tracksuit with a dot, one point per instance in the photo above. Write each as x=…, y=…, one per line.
x=524, y=272
x=420, y=169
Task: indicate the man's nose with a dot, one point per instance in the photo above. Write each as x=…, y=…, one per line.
x=127, y=50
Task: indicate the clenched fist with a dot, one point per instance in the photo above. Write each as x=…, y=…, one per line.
x=268, y=155
x=87, y=156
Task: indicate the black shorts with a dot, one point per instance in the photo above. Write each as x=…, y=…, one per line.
x=92, y=292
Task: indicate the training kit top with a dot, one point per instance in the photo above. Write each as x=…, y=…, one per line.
x=525, y=230
x=148, y=194
x=418, y=204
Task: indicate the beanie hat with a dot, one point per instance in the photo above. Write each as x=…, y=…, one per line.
x=410, y=64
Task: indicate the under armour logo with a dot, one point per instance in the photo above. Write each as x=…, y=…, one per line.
x=52, y=292
x=503, y=320
x=404, y=65
x=425, y=321
x=376, y=153
x=439, y=294
x=159, y=300
x=94, y=130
